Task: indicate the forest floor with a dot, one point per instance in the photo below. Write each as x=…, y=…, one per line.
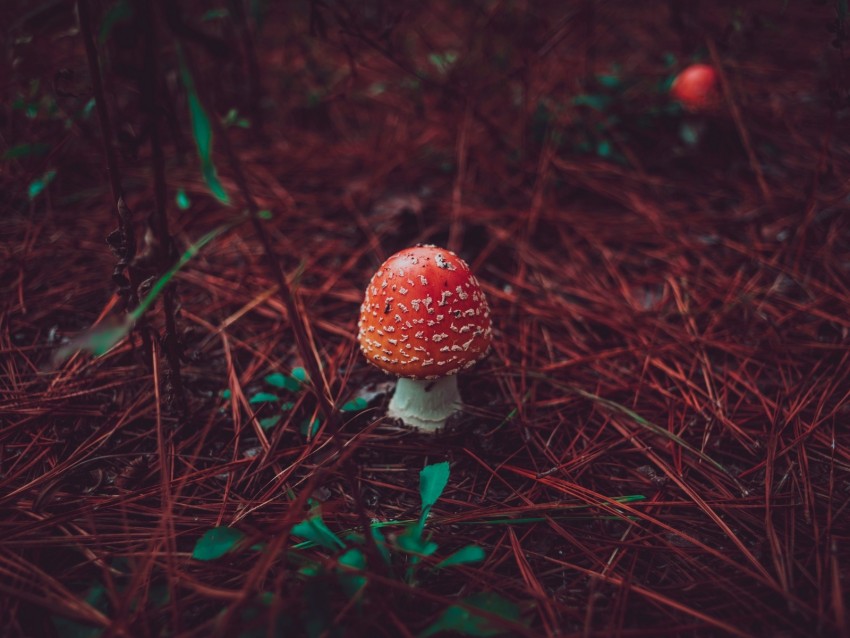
x=658, y=442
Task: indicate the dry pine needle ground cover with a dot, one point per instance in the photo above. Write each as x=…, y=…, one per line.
x=656, y=445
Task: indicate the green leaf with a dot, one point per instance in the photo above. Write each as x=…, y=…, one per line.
x=226, y=394
x=263, y=397
x=603, y=148
x=211, y=178
x=666, y=83
x=98, y=340
x=315, y=530
x=217, y=542
x=310, y=570
x=26, y=150
x=353, y=558
x=215, y=14
x=264, y=214
x=689, y=134
x=88, y=108
x=202, y=133
x=282, y=381
x=352, y=582
x=443, y=61
x=38, y=185
x=118, y=12
x=596, y=101
x=608, y=80
x=464, y=620
x=355, y=405
x=182, y=199
x=270, y=421
x=432, y=481
x=230, y=118
x=309, y=427
x=300, y=374
x=463, y=556
x=412, y=542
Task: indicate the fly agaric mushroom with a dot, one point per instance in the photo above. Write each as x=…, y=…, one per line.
x=697, y=88
x=424, y=318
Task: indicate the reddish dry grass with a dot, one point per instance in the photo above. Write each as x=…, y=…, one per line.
x=667, y=327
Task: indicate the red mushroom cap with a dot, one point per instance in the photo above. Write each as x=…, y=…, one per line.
x=424, y=315
x=697, y=88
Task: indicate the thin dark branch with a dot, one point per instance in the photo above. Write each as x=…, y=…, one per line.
x=123, y=240
x=163, y=249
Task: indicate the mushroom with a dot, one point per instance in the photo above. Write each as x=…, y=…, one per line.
x=697, y=88
x=424, y=318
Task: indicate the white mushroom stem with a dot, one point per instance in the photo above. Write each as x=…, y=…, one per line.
x=425, y=404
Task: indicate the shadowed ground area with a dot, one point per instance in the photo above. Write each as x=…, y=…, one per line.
x=657, y=443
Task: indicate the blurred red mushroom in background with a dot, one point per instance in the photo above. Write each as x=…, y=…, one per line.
x=697, y=88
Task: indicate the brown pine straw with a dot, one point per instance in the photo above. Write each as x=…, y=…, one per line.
x=671, y=322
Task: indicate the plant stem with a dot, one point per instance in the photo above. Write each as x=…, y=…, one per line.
x=163, y=245
x=124, y=243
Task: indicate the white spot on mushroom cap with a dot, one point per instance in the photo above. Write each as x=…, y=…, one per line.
x=442, y=263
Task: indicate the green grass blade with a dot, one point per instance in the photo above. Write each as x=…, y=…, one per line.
x=463, y=556
x=202, y=133
x=314, y=529
x=121, y=11
x=101, y=339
